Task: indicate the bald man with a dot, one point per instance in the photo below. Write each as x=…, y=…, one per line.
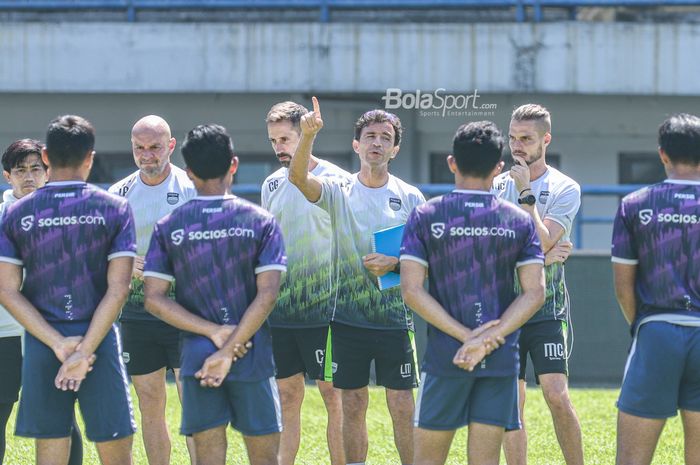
x=151, y=347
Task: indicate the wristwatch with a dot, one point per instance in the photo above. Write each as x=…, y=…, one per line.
x=527, y=200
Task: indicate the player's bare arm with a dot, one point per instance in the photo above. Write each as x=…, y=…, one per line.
x=559, y=253
x=217, y=365
x=483, y=341
x=28, y=316
x=531, y=277
x=76, y=367
x=138, y=267
x=548, y=231
x=299, y=175
x=157, y=302
x=417, y=298
x=624, y=277
x=379, y=264
x=531, y=298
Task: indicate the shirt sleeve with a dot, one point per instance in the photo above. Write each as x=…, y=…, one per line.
x=413, y=246
x=272, y=254
x=124, y=242
x=158, y=264
x=531, y=251
x=329, y=186
x=263, y=196
x=565, y=207
x=9, y=252
x=624, y=247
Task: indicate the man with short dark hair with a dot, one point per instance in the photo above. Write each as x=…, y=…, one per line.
x=300, y=320
x=76, y=244
x=24, y=170
x=473, y=244
x=367, y=323
x=226, y=255
x=151, y=347
x=552, y=200
x=656, y=266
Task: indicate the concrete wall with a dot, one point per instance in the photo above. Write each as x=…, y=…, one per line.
x=560, y=57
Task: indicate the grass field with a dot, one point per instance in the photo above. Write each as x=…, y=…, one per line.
x=596, y=408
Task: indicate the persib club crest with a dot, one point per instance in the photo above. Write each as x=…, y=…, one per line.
x=544, y=195
x=173, y=198
x=395, y=203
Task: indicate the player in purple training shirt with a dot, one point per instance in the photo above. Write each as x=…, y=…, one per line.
x=472, y=244
x=76, y=244
x=227, y=256
x=656, y=265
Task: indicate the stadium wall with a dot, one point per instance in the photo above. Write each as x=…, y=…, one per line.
x=558, y=57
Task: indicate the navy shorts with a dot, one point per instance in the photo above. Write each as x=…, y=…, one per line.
x=47, y=412
x=663, y=371
x=302, y=350
x=393, y=352
x=446, y=404
x=253, y=408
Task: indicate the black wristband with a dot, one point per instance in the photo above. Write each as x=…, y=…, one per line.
x=524, y=190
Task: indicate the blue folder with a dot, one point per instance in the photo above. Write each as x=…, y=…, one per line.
x=388, y=242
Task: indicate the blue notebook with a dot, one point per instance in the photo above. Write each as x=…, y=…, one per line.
x=388, y=242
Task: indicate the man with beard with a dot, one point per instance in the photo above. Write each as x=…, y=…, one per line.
x=552, y=200
x=300, y=320
x=150, y=345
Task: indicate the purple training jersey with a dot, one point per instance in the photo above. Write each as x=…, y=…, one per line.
x=657, y=228
x=214, y=247
x=472, y=244
x=64, y=235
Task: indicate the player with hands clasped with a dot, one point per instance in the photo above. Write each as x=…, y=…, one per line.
x=76, y=243
x=470, y=246
x=227, y=255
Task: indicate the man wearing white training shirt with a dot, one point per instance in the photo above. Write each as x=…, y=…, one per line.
x=150, y=345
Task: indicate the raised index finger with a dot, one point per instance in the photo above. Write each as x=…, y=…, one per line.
x=317, y=107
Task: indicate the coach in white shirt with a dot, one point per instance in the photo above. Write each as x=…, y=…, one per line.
x=150, y=346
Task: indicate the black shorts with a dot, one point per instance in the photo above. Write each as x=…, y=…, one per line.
x=546, y=343
x=10, y=368
x=354, y=349
x=301, y=350
x=148, y=346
